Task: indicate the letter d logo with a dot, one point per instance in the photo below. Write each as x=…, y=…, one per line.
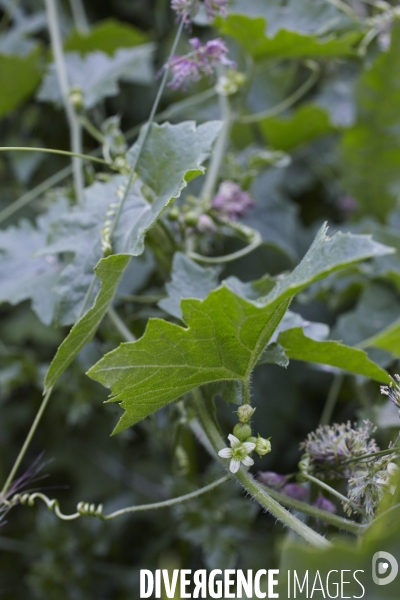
x=381, y=568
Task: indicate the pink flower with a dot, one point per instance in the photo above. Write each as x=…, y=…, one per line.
x=203, y=60
x=185, y=9
x=183, y=70
x=231, y=200
x=216, y=8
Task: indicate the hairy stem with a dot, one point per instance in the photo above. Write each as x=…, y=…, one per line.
x=334, y=492
x=316, y=513
x=73, y=122
x=253, y=487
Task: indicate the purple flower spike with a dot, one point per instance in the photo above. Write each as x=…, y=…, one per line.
x=183, y=70
x=296, y=491
x=203, y=60
x=231, y=200
x=215, y=8
x=271, y=479
x=324, y=504
x=185, y=9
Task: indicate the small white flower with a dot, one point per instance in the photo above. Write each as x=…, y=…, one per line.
x=238, y=453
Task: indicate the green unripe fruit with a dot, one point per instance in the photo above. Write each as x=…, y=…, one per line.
x=173, y=214
x=252, y=439
x=242, y=432
x=191, y=218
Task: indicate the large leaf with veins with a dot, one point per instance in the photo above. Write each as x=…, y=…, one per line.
x=224, y=338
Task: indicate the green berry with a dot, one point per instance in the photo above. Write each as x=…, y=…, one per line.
x=191, y=218
x=173, y=214
x=242, y=432
x=252, y=439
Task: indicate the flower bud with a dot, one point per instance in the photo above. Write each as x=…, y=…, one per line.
x=242, y=432
x=304, y=467
x=324, y=504
x=191, y=218
x=173, y=214
x=229, y=84
x=245, y=412
x=271, y=479
x=296, y=491
x=263, y=446
x=76, y=98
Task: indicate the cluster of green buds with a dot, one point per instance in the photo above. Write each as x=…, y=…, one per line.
x=243, y=443
x=230, y=82
x=192, y=216
x=243, y=431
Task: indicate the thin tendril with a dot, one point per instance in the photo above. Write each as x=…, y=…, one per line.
x=93, y=510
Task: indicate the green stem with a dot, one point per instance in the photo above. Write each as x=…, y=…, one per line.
x=127, y=335
x=27, y=442
x=219, y=151
x=334, y=492
x=246, y=392
x=252, y=235
x=346, y=9
x=316, y=513
x=144, y=299
x=33, y=193
x=253, y=487
x=91, y=129
x=332, y=399
x=146, y=129
x=53, y=151
x=171, y=502
x=174, y=109
x=62, y=75
x=78, y=12
x=288, y=102
x=373, y=455
x=219, y=260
